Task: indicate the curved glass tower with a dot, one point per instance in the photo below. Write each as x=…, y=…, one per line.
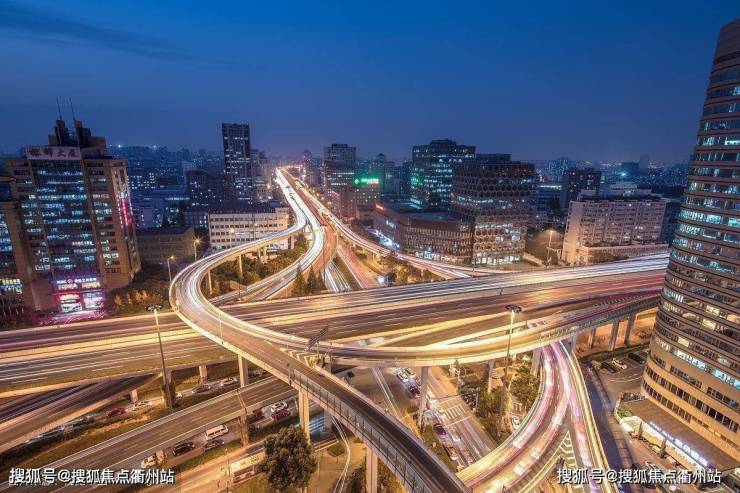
x=693, y=372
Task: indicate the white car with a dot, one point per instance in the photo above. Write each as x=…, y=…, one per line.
x=278, y=406
x=141, y=405
x=150, y=461
x=515, y=422
x=619, y=363
x=228, y=382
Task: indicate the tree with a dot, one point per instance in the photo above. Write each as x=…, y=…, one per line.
x=301, y=242
x=312, y=283
x=299, y=285
x=525, y=386
x=289, y=460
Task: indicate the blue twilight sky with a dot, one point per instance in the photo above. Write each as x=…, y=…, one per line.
x=588, y=80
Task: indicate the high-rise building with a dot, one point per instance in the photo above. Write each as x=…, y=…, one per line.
x=204, y=188
x=692, y=377
x=70, y=222
x=576, y=181
x=237, y=160
x=365, y=194
x=494, y=195
x=340, y=161
x=431, y=171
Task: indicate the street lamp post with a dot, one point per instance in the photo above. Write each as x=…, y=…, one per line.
x=169, y=270
x=165, y=381
x=513, y=309
x=196, y=242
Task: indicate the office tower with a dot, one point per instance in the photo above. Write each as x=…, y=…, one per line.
x=204, y=188
x=237, y=160
x=494, y=195
x=692, y=377
x=74, y=233
x=365, y=194
x=605, y=229
x=576, y=181
x=339, y=165
x=431, y=171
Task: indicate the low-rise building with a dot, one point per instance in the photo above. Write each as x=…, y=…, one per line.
x=433, y=235
x=228, y=227
x=156, y=245
x=610, y=228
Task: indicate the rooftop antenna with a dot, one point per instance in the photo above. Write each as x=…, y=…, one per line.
x=59, y=109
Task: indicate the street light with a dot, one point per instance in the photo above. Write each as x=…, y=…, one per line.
x=513, y=309
x=169, y=271
x=196, y=242
x=165, y=381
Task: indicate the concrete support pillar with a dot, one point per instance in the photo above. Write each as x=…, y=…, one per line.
x=290, y=242
x=613, y=339
x=244, y=430
x=210, y=284
x=630, y=326
x=240, y=266
x=134, y=396
x=574, y=342
x=536, y=361
x=423, y=398
x=303, y=413
x=202, y=373
x=491, y=369
x=371, y=471
x=327, y=412
x=592, y=338
x=243, y=372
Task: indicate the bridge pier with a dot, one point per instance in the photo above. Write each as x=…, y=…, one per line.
x=592, y=338
x=290, y=242
x=210, y=284
x=423, y=397
x=536, y=361
x=202, y=373
x=630, y=326
x=613, y=339
x=303, y=413
x=327, y=412
x=371, y=471
x=243, y=371
x=240, y=266
x=134, y=396
x=491, y=369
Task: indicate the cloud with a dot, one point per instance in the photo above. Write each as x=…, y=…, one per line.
x=41, y=26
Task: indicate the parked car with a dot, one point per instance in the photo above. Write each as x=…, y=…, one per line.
x=212, y=444
x=116, y=412
x=255, y=416
x=414, y=391
x=282, y=414
x=278, y=406
x=619, y=363
x=150, y=461
x=637, y=358
x=439, y=430
x=402, y=376
x=139, y=405
x=216, y=432
x=609, y=367
x=183, y=448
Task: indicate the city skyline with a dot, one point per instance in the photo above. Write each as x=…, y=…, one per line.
x=613, y=89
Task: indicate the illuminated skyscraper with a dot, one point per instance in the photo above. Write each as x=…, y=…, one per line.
x=693, y=372
x=431, y=171
x=237, y=160
x=70, y=223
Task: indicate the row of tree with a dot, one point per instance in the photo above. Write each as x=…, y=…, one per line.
x=308, y=285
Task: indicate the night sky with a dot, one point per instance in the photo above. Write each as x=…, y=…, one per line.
x=589, y=80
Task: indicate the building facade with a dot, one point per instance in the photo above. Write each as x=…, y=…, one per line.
x=365, y=194
x=70, y=205
x=432, y=169
x=693, y=372
x=204, y=188
x=339, y=166
x=176, y=243
x=232, y=227
x=493, y=194
x=237, y=160
x=600, y=229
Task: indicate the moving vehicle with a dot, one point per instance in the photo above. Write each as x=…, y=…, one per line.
x=414, y=391
x=402, y=376
x=139, y=405
x=150, y=461
x=278, y=406
x=255, y=416
x=609, y=367
x=182, y=448
x=201, y=389
x=212, y=444
x=216, y=431
x=229, y=382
